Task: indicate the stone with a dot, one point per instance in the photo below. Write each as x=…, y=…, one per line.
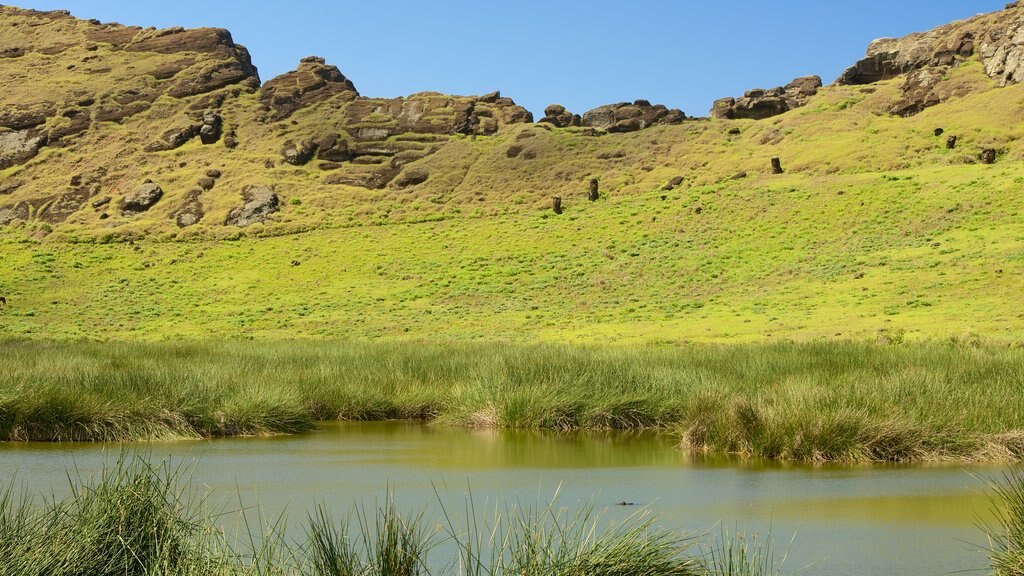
x=298, y=154
x=213, y=173
x=556, y=204
x=738, y=176
x=777, y=166
x=559, y=117
x=939, y=132
x=673, y=183
x=595, y=194
x=951, y=142
x=630, y=117
x=142, y=198
x=988, y=156
x=101, y=202
x=210, y=131
x=173, y=138
x=19, y=147
x=758, y=104
x=206, y=183
x=260, y=202
x=230, y=140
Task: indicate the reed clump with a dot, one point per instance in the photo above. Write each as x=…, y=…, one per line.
x=1006, y=532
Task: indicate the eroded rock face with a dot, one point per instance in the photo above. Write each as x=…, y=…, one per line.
x=626, y=117
x=312, y=82
x=260, y=202
x=997, y=39
x=759, y=104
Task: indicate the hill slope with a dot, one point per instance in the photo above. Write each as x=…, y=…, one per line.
x=301, y=208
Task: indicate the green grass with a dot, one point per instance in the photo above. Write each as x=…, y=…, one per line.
x=1006, y=534
x=809, y=402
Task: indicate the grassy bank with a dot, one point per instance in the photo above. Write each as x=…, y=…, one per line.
x=138, y=519
x=813, y=402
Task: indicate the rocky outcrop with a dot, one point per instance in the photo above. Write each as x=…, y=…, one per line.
x=559, y=117
x=996, y=39
x=314, y=81
x=142, y=198
x=432, y=113
x=333, y=148
x=626, y=117
x=759, y=104
x=260, y=202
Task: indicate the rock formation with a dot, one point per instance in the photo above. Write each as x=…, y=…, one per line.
x=314, y=81
x=926, y=59
x=626, y=117
x=142, y=198
x=559, y=117
x=759, y=104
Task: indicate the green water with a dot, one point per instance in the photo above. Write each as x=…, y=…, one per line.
x=865, y=520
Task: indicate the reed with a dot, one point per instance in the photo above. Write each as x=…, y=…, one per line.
x=825, y=401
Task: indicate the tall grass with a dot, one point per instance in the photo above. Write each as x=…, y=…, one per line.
x=813, y=402
x=136, y=520
x=1006, y=534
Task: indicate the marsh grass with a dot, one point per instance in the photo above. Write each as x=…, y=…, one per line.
x=1006, y=532
x=828, y=401
x=739, y=553
x=138, y=519
x=544, y=539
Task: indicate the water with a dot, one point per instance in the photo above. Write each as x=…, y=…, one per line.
x=866, y=520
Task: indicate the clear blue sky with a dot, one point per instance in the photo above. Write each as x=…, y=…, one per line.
x=579, y=53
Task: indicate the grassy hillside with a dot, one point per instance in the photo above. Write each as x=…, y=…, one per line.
x=876, y=230
x=875, y=227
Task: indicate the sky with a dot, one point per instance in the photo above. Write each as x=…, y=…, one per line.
x=578, y=53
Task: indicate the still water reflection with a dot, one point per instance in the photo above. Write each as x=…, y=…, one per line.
x=895, y=520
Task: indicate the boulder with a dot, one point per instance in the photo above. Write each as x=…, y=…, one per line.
x=190, y=212
x=260, y=202
x=298, y=154
x=142, y=198
x=559, y=117
x=630, y=117
x=759, y=104
x=19, y=147
x=673, y=183
x=209, y=133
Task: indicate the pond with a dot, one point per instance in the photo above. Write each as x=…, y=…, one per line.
x=835, y=520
